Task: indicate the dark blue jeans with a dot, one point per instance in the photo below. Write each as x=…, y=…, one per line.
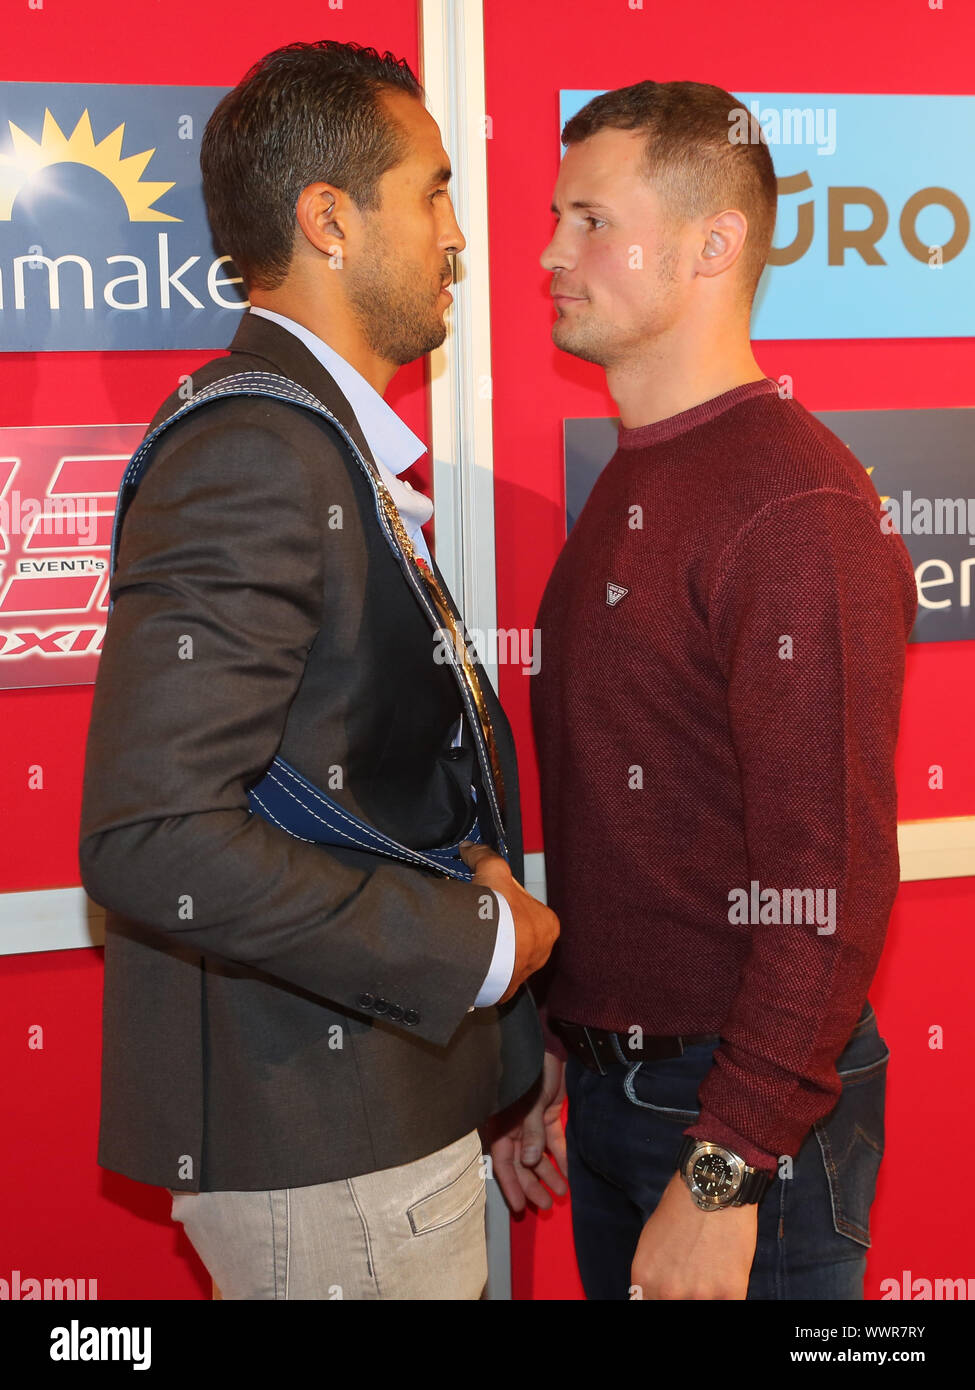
x=623, y=1134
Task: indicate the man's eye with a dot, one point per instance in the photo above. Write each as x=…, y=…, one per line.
x=439, y=192
x=594, y=221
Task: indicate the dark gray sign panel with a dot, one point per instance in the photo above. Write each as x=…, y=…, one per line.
x=920, y=462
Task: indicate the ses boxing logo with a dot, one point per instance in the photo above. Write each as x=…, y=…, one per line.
x=58, y=486
x=872, y=236
x=104, y=240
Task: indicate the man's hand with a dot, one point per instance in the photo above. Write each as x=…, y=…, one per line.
x=518, y=1152
x=686, y=1253
x=536, y=926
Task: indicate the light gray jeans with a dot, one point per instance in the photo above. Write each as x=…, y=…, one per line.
x=413, y=1232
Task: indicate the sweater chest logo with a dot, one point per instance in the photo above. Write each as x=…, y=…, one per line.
x=614, y=592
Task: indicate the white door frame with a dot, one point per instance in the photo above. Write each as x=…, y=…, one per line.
x=462, y=436
x=461, y=428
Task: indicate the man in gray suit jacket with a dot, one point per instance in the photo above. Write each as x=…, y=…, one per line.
x=300, y=1041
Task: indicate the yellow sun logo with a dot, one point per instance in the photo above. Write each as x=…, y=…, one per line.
x=54, y=147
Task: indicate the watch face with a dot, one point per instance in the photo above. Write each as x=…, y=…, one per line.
x=713, y=1177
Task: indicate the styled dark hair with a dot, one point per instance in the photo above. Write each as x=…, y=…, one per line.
x=692, y=155
x=306, y=113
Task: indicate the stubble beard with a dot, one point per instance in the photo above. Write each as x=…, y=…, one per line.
x=603, y=343
x=593, y=341
x=396, y=315
x=587, y=341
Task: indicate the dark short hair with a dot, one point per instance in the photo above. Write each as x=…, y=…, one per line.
x=306, y=113
x=690, y=156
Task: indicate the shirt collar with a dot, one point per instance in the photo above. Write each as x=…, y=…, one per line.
x=389, y=438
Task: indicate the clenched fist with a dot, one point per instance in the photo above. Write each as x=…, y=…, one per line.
x=536, y=926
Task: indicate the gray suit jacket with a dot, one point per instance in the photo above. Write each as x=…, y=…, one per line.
x=258, y=610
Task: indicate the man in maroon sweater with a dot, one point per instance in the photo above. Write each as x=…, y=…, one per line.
x=715, y=716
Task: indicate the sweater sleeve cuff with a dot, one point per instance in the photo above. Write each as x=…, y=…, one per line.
x=708, y=1128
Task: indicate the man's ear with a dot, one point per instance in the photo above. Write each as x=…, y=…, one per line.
x=724, y=240
x=321, y=212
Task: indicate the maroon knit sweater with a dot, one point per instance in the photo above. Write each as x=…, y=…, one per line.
x=730, y=720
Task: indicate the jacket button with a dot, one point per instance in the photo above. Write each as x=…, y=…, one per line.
x=365, y=1001
x=395, y=1013
x=381, y=1006
x=411, y=1016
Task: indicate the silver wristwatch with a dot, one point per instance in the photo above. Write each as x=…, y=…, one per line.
x=717, y=1177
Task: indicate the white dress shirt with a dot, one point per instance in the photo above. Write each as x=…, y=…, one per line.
x=395, y=447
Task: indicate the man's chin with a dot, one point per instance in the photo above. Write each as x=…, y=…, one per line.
x=430, y=341
x=576, y=347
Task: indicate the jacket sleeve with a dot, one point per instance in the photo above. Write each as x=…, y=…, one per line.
x=223, y=583
x=809, y=624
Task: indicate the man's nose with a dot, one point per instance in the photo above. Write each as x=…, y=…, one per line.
x=555, y=256
x=457, y=240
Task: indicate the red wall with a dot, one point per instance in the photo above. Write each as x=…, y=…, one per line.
x=60, y=1215
x=533, y=51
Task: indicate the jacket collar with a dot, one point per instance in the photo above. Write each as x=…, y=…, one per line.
x=288, y=356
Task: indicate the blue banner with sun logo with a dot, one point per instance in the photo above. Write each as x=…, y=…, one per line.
x=104, y=241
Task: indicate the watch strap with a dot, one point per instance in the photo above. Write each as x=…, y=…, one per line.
x=754, y=1185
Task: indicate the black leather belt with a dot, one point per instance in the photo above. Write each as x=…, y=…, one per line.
x=598, y=1048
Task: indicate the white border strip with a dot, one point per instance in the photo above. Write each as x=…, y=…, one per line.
x=943, y=848
x=462, y=436
x=52, y=919
x=927, y=849
x=64, y=919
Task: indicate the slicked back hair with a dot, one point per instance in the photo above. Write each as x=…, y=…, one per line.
x=305, y=113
